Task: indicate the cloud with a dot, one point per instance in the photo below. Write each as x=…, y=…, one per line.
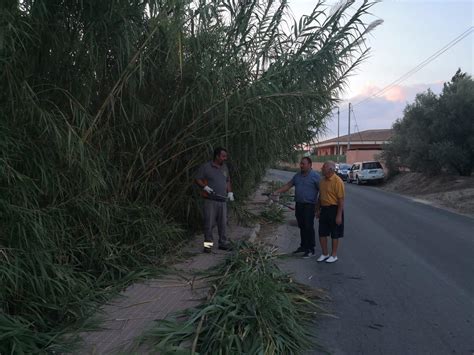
x=377, y=112
x=397, y=93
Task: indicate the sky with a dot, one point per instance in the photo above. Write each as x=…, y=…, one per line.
x=413, y=30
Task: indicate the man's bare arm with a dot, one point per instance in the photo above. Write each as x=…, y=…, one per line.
x=284, y=188
x=200, y=183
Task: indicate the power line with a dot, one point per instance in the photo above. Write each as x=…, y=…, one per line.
x=356, y=125
x=419, y=66
x=411, y=72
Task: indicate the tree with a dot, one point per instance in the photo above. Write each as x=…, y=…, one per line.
x=436, y=133
x=453, y=132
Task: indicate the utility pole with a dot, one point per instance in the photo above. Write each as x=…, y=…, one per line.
x=349, y=130
x=338, y=150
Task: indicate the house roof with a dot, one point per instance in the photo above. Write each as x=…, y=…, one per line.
x=371, y=135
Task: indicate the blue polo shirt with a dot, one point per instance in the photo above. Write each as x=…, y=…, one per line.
x=306, y=187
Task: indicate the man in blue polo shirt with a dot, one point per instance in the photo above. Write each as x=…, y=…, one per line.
x=306, y=184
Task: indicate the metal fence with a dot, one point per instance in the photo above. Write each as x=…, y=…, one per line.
x=323, y=158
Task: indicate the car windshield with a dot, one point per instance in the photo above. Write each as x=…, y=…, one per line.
x=372, y=165
x=344, y=166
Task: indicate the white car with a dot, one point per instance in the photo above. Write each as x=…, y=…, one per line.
x=366, y=171
x=342, y=170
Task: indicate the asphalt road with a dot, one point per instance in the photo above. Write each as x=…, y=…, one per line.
x=404, y=282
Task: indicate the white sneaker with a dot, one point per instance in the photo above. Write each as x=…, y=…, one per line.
x=331, y=259
x=322, y=258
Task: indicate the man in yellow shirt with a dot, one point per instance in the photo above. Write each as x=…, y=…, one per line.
x=330, y=211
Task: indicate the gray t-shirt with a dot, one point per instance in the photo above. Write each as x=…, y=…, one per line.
x=306, y=187
x=216, y=177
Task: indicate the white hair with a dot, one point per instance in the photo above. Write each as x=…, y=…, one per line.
x=330, y=165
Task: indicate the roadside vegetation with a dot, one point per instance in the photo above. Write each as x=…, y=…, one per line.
x=273, y=213
x=107, y=109
x=436, y=133
x=286, y=166
x=252, y=308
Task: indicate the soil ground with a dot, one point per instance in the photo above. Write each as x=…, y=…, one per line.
x=447, y=191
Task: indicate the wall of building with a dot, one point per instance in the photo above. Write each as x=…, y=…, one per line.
x=353, y=156
x=326, y=151
x=332, y=149
x=317, y=166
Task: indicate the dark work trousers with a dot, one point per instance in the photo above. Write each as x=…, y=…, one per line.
x=305, y=216
x=215, y=212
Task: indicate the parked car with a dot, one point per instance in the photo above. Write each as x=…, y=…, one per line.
x=366, y=171
x=342, y=170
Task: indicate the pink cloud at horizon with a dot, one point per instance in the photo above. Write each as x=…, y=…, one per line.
x=377, y=112
x=397, y=93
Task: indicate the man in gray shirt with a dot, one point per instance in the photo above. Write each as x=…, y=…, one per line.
x=306, y=184
x=213, y=178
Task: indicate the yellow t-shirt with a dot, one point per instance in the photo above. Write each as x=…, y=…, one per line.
x=330, y=190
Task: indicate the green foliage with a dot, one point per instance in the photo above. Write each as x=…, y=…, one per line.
x=243, y=215
x=254, y=308
x=285, y=167
x=273, y=213
x=108, y=107
x=285, y=197
x=436, y=133
x=272, y=186
x=53, y=273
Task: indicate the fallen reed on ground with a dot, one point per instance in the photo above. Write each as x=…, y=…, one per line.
x=252, y=308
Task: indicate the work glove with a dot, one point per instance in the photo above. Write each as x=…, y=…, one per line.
x=230, y=196
x=208, y=189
